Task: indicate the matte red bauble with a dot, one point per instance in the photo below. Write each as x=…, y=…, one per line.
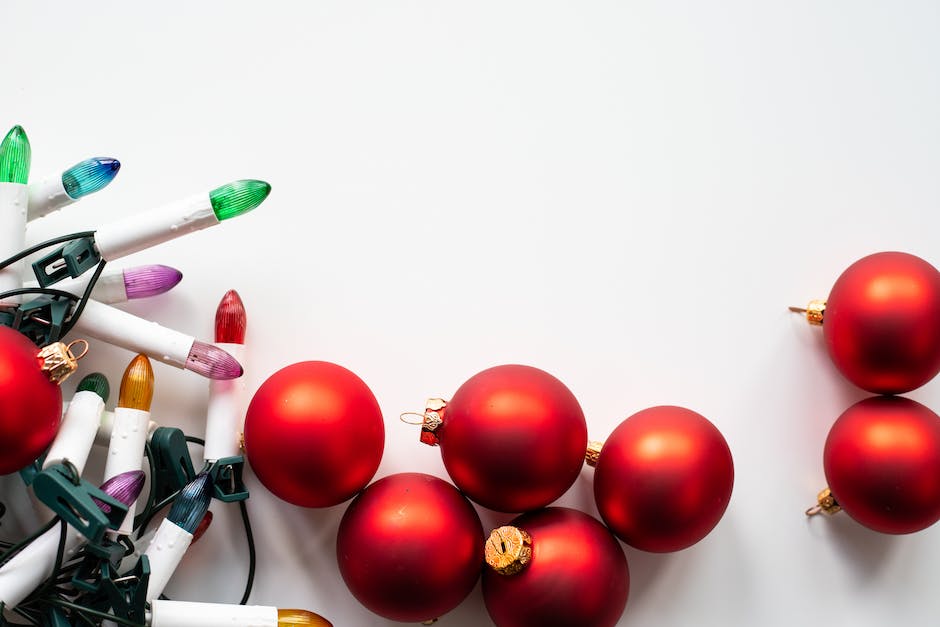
x=314, y=434
x=663, y=479
x=512, y=437
x=410, y=547
x=556, y=567
x=30, y=403
x=882, y=323
x=882, y=462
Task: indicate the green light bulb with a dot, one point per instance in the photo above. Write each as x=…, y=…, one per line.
x=15, y=155
x=237, y=198
x=97, y=383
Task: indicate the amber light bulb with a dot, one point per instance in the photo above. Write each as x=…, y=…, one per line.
x=130, y=428
x=137, y=385
x=298, y=618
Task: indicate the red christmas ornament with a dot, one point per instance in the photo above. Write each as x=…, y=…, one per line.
x=30, y=398
x=882, y=462
x=314, y=434
x=882, y=322
x=512, y=437
x=663, y=479
x=557, y=567
x=410, y=547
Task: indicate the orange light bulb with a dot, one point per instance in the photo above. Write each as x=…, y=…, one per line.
x=299, y=618
x=137, y=385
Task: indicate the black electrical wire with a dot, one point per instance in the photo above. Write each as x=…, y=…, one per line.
x=42, y=291
x=146, y=518
x=82, y=610
x=148, y=507
x=80, y=302
x=46, y=244
x=19, y=546
x=252, y=557
x=86, y=296
x=60, y=552
x=32, y=619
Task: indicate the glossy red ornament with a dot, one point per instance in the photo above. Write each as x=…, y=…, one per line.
x=882, y=323
x=30, y=403
x=882, y=462
x=577, y=575
x=513, y=438
x=663, y=479
x=410, y=547
x=314, y=434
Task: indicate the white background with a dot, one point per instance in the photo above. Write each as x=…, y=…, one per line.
x=625, y=194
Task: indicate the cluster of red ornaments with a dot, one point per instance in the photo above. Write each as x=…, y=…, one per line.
x=513, y=438
x=882, y=457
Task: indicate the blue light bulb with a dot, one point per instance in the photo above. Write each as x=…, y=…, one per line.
x=89, y=176
x=192, y=503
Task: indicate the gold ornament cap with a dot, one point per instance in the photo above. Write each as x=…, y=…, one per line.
x=593, y=453
x=508, y=550
x=58, y=360
x=815, y=312
x=825, y=504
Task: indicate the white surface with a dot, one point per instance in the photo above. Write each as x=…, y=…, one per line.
x=625, y=194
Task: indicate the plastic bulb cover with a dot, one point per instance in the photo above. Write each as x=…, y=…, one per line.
x=137, y=385
x=89, y=176
x=231, y=320
x=192, y=503
x=125, y=487
x=212, y=362
x=202, y=527
x=297, y=618
x=151, y=280
x=97, y=383
x=15, y=156
x=236, y=198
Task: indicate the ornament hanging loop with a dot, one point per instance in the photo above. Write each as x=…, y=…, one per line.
x=58, y=360
x=412, y=418
x=429, y=421
x=84, y=344
x=826, y=504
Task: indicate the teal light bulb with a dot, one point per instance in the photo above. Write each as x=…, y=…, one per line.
x=89, y=176
x=237, y=198
x=15, y=156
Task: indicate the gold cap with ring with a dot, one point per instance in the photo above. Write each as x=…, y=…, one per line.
x=58, y=360
x=508, y=550
x=815, y=311
x=593, y=453
x=825, y=504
